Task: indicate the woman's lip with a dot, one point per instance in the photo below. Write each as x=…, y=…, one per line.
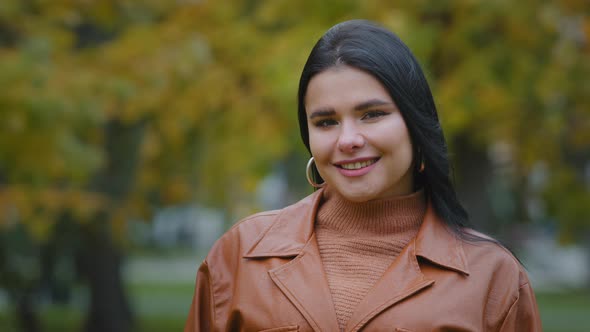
x=357, y=172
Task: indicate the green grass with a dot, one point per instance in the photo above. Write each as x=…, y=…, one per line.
x=68, y=320
x=54, y=318
x=166, y=302
x=161, y=307
x=158, y=307
x=567, y=311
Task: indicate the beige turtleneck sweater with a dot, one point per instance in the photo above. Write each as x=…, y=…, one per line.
x=358, y=241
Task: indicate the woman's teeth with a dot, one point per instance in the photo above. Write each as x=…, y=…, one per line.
x=359, y=165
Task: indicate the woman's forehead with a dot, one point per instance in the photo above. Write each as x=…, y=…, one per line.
x=343, y=86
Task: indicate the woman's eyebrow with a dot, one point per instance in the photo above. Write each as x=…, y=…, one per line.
x=360, y=107
x=322, y=112
x=371, y=103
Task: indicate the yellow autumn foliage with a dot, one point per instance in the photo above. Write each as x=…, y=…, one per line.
x=208, y=88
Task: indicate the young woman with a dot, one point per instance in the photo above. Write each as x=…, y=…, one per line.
x=382, y=245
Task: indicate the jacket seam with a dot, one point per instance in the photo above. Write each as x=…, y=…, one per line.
x=211, y=292
x=512, y=306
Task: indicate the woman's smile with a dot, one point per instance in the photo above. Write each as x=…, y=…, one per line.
x=356, y=167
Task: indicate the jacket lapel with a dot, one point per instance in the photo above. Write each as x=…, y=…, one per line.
x=289, y=232
x=404, y=277
x=401, y=280
x=436, y=243
x=303, y=281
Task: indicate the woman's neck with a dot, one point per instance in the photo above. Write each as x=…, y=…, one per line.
x=383, y=216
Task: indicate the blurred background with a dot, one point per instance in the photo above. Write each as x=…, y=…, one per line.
x=133, y=133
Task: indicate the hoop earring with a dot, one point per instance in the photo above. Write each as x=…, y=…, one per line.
x=421, y=169
x=422, y=166
x=308, y=175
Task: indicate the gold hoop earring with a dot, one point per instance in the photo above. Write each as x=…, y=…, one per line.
x=421, y=158
x=421, y=170
x=308, y=175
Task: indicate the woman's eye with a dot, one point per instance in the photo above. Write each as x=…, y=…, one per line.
x=325, y=123
x=373, y=114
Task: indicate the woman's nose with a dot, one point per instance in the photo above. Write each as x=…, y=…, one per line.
x=350, y=139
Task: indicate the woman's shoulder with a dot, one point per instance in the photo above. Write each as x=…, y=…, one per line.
x=249, y=230
x=261, y=221
x=484, y=253
x=253, y=223
x=509, y=293
x=243, y=233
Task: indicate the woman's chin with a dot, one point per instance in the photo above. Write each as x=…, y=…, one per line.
x=357, y=196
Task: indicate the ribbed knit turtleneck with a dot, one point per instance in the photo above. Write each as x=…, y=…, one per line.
x=358, y=241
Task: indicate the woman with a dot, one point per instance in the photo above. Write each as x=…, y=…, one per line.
x=382, y=246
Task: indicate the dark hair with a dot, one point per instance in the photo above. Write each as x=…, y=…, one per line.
x=366, y=46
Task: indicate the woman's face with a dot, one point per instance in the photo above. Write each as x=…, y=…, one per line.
x=358, y=137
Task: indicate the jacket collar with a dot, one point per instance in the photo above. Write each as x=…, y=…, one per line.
x=294, y=225
x=436, y=243
x=289, y=231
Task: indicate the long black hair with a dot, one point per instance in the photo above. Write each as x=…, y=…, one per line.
x=366, y=46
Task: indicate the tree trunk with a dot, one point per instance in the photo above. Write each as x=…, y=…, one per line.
x=100, y=262
x=586, y=245
x=100, y=258
x=28, y=321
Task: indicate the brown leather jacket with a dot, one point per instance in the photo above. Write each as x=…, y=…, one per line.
x=265, y=274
